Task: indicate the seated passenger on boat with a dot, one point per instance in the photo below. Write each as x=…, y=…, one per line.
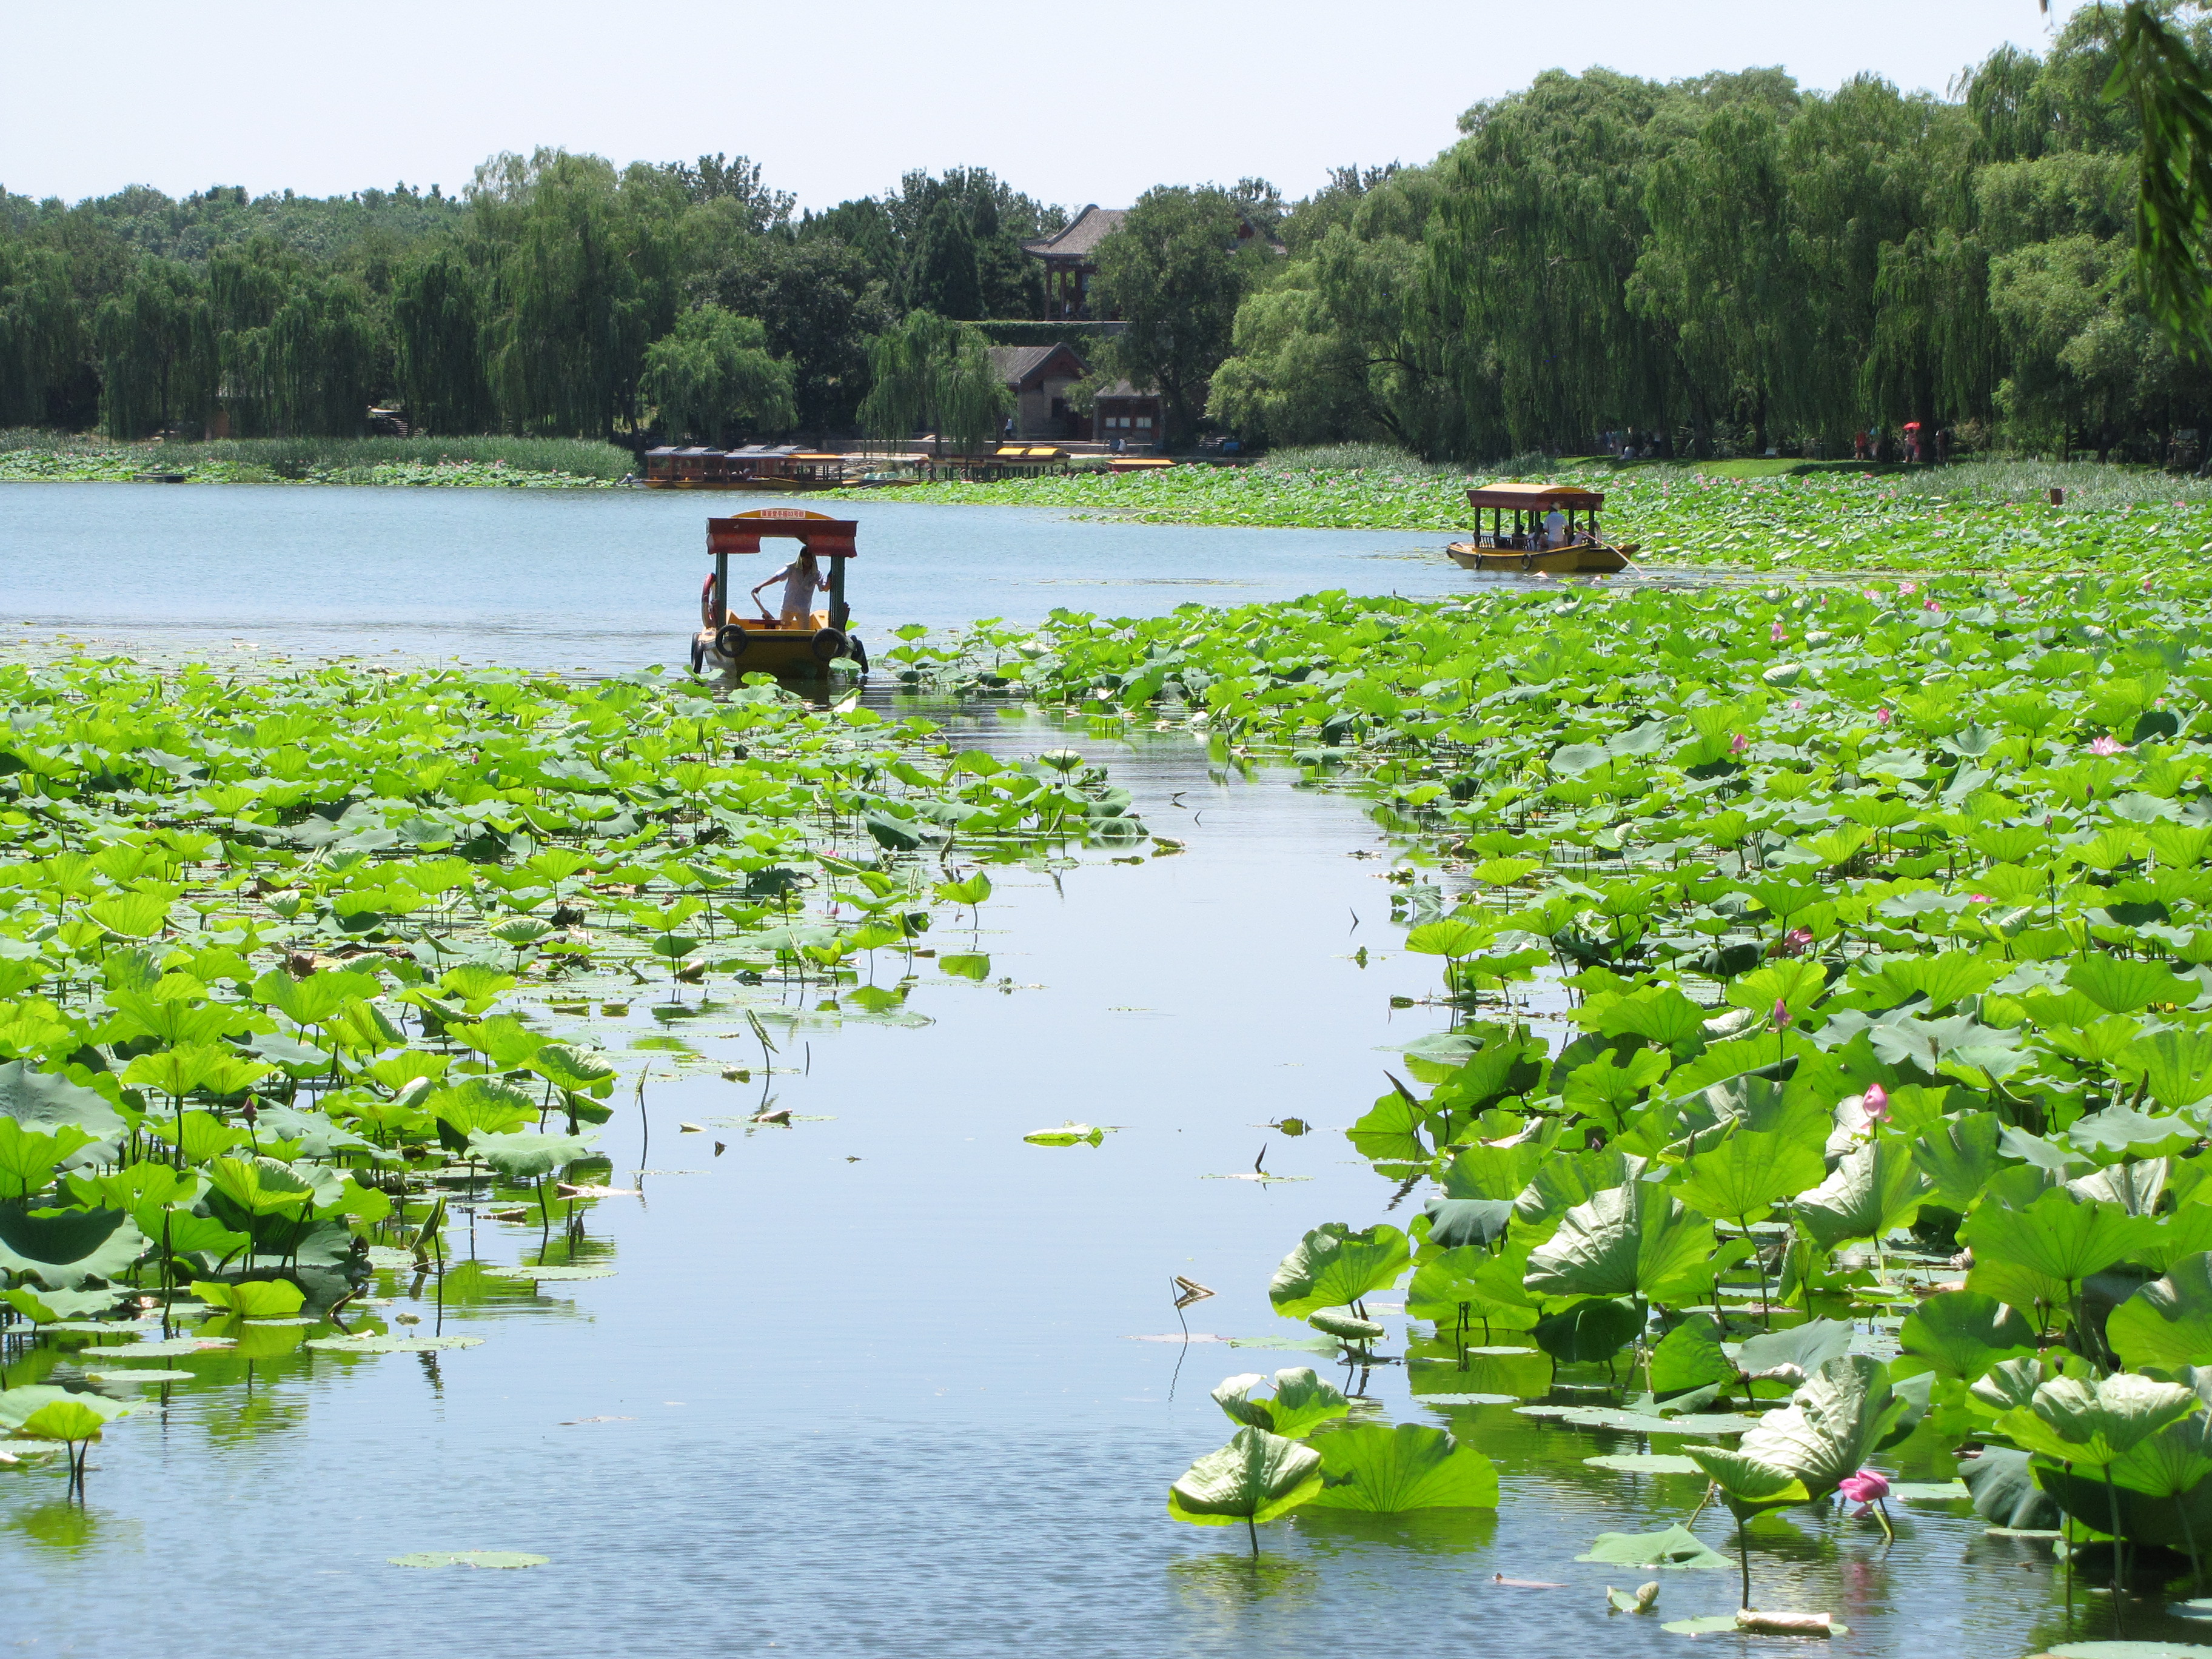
x=802, y=579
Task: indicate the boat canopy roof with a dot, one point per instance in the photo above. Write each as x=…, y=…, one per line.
x=1523, y=497
x=816, y=532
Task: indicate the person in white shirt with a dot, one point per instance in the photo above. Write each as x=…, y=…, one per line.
x=1555, y=528
x=801, y=580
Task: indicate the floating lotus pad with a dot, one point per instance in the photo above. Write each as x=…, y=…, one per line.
x=493, y=1559
x=1646, y=1464
x=150, y=1375
x=370, y=1343
x=547, y=1274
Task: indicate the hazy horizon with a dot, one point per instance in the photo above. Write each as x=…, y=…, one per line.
x=325, y=103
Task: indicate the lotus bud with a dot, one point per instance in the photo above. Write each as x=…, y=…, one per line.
x=1882, y=717
x=1876, y=1103
x=1781, y=1015
x=1738, y=743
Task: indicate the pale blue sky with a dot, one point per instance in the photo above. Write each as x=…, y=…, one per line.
x=1089, y=101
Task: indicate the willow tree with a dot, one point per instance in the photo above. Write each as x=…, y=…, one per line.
x=156, y=350
x=1536, y=234
x=39, y=334
x=932, y=374
x=712, y=374
x=437, y=327
x=585, y=274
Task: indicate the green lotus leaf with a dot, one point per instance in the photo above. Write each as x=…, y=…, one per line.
x=1456, y=1222
x=1255, y=1477
x=1381, y=1470
x=2174, y=1066
x=1675, y=1546
x=1831, y=1426
x=1302, y=1402
x=262, y=1185
x=2082, y=1420
x=467, y=1107
x=1345, y=1327
x=252, y=1298
x=1689, y=1359
x=2122, y=1132
x=1333, y=1267
x=1590, y=1331
x=1748, y=1173
x=374, y=1342
x=2168, y=1323
x=2058, y=1238
x=1646, y=1464
x=61, y=1249
x=527, y=1155
x=1962, y=1335
x=2003, y=1485
x=44, y=1307
x=1631, y=1240
x=1796, y=1352
x=17, y=1404
x=44, y=1101
x=1958, y=1156
x=1873, y=1191
x=2125, y=985
x=80, y=1417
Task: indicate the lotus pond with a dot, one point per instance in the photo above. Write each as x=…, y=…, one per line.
x=1477, y=1103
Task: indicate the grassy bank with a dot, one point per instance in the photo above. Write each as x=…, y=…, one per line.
x=1756, y=514
x=541, y=463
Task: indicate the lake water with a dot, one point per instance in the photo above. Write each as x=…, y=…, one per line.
x=600, y=580
x=871, y=1384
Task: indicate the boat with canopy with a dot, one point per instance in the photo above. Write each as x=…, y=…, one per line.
x=1524, y=546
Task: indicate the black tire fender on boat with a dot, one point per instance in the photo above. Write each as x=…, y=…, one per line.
x=698, y=653
x=828, y=645
x=730, y=640
x=860, y=652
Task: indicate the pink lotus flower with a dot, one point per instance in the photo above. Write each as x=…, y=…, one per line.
x=1781, y=1015
x=1865, y=1487
x=1882, y=717
x=1929, y=604
x=1796, y=702
x=1776, y=634
x=1908, y=587
x=1799, y=939
x=1876, y=1104
x=1979, y=898
x=1738, y=743
x=2107, y=746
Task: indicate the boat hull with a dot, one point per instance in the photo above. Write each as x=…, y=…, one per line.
x=785, y=652
x=1584, y=559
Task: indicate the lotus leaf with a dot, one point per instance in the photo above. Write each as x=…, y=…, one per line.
x=1302, y=1402
x=1333, y=1267
x=2082, y=1420
x=1386, y=1470
x=2168, y=1323
x=1592, y=1330
x=44, y=1101
x=253, y=1298
x=1796, y=1353
x=1689, y=1359
x=2057, y=1240
x=1455, y=1222
x=1960, y=1336
x=61, y=1249
x=79, y=1417
x=1829, y=1429
x=1748, y=1173
x=1631, y=1240
x=1673, y=1547
x=1256, y=1477
x=526, y=1157
x=1875, y=1190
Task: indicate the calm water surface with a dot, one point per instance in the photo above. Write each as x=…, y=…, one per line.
x=868, y=1385
x=596, y=579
